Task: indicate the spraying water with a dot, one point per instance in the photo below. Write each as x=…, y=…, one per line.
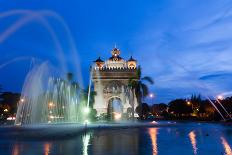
x=223, y=108
x=46, y=99
x=90, y=84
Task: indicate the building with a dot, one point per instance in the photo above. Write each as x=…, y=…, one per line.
x=110, y=79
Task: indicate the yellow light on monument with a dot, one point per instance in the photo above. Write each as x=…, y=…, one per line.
x=188, y=103
x=117, y=116
x=22, y=100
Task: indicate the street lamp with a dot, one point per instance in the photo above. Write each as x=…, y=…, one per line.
x=151, y=95
x=220, y=97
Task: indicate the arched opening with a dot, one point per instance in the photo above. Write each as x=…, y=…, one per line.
x=115, y=108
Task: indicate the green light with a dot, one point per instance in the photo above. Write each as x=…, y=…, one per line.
x=86, y=110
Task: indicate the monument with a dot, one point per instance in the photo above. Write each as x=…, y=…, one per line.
x=110, y=79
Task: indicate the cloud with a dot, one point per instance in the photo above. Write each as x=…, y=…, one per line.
x=192, y=56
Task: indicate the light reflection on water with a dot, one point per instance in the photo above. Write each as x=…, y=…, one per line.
x=153, y=134
x=192, y=137
x=85, y=140
x=15, y=150
x=47, y=148
x=226, y=146
x=183, y=139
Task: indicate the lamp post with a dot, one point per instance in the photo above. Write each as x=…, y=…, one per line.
x=151, y=95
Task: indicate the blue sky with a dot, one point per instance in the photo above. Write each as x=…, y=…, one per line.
x=185, y=46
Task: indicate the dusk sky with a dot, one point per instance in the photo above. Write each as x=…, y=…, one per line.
x=185, y=46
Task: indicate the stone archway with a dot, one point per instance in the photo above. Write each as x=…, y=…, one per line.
x=115, y=108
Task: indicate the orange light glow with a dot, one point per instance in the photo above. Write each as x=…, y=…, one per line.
x=47, y=148
x=15, y=150
x=153, y=134
x=226, y=146
x=192, y=137
x=117, y=116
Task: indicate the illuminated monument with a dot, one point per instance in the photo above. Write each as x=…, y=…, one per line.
x=110, y=79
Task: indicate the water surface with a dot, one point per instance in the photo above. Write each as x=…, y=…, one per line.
x=184, y=138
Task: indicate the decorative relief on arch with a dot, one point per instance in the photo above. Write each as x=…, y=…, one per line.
x=114, y=87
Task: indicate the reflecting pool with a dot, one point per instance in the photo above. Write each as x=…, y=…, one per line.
x=184, y=138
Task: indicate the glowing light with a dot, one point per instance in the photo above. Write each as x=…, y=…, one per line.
x=220, y=97
x=188, y=103
x=16, y=150
x=5, y=110
x=86, y=140
x=50, y=104
x=226, y=146
x=10, y=118
x=154, y=122
x=22, y=100
x=151, y=95
x=86, y=110
x=192, y=137
x=153, y=134
x=117, y=116
x=47, y=148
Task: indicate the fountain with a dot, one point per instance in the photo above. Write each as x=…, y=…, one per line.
x=46, y=99
x=50, y=101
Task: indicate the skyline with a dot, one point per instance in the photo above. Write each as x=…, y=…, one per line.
x=184, y=46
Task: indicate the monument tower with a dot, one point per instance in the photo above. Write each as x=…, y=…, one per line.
x=110, y=80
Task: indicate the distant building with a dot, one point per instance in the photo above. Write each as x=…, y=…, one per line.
x=110, y=79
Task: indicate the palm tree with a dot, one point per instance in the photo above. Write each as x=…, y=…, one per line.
x=74, y=85
x=138, y=87
x=69, y=76
x=195, y=101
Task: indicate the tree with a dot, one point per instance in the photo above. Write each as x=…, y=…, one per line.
x=9, y=100
x=206, y=109
x=158, y=109
x=138, y=86
x=179, y=107
x=143, y=111
x=195, y=101
x=69, y=76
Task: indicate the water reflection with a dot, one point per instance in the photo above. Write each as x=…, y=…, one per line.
x=192, y=137
x=47, y=148
x=153, y=134
x=226, y=146
x=85, y=140
x=15, y=150
x=189, y=140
